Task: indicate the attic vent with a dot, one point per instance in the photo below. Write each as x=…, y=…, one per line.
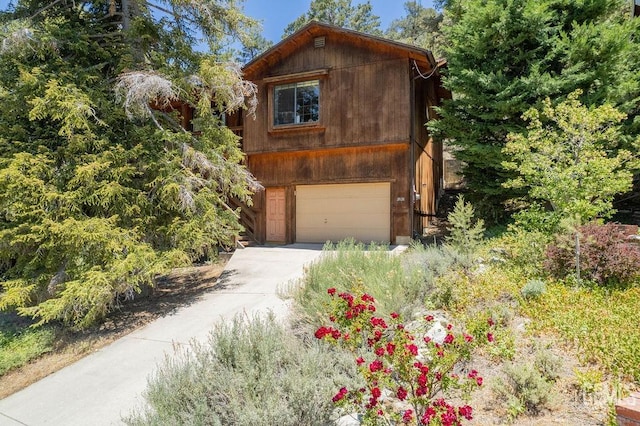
x=318, y=42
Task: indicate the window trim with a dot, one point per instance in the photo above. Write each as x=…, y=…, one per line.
x=272, y=82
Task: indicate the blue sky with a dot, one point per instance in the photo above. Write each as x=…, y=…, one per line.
x=277, y=14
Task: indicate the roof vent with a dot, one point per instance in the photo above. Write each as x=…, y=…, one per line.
x=318, y=42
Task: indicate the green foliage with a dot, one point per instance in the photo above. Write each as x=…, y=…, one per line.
x=533, y=288
x=595, y=321
x=97, y=199
x=20, y=345
x=251, y=372
x=382, y=273
x=504, y=57
x=465, y=234
x=420, y=26
x=341, y=13
x=571, y=158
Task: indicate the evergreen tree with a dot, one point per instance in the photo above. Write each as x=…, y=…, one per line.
x=340, y=13
x=420, y=27
x=100, y=192
x=506, y=56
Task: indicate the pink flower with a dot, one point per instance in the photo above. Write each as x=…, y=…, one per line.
x=473, y=374
x=407, y=416
x=479, y=381
x=331, y=291
x=468, y=338
x=448, y=338
x=429, y=414
x=379, y=351
x=490, y=337
x=360, y=361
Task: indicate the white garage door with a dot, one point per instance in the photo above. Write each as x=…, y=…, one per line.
x=335, y=212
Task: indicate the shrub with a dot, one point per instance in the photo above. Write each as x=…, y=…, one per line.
x=533, y=289
x=465, y=234
x=398, y=286
x=606, y=255
x=248, y=373
x=417, y=373
x=523, y=388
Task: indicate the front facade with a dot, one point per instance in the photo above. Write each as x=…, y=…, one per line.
x=339, y=141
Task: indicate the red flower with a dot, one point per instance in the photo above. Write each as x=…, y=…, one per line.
x=407, y=416
x=378, y=322
x=379, y=351
x=376, y=393
x=490, y=322
x=490, y=337
x=335, y=334
x=473, y=374
x=449, y=326
x=427, y=339
x=468, y=338
x=466, y=412
x=360, y=361
x=412, y=349
x=479, y=381
x=401, y=393
x=371, y=308
x=428, y=416
x=375, y=366
x=331, y=291
x=394, y=315
x=368, y=298
x=340, y=395
x=391, y=348
x=429, y=318
x=322, y=332
x=448, y=338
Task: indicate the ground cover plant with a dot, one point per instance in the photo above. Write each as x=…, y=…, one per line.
x=249, y=372
x=20, y=344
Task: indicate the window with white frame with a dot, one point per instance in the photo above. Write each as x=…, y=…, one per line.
x=296, y=103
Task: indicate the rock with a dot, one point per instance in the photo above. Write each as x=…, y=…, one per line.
x=437, y=332
x=352, y=419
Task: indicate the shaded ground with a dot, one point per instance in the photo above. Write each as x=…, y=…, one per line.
x=180, y=288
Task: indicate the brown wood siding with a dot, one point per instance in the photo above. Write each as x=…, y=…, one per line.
x=341, y=165
x=364, y=99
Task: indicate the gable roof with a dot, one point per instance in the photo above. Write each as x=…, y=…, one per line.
x=424, y=58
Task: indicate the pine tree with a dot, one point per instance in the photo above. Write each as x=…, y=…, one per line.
x=420, y=27
x=100, y=192
x=506, y=56
x=341, y=13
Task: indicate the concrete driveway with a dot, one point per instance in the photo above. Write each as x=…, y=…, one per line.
x=106, y=385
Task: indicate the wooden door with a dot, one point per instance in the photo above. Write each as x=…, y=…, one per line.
x=276, y=215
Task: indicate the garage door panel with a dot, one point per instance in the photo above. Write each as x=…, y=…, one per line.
x=336, y=212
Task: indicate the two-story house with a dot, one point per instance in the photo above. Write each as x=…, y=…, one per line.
x=339, y=140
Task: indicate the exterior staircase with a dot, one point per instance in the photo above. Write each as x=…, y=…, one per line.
x=248, y=220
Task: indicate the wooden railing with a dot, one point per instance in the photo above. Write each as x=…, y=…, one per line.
x=248, y=218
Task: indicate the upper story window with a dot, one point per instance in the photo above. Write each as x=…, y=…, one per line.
x=296, y=103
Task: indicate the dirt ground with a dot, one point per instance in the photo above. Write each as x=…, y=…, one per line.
x=180, y=288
